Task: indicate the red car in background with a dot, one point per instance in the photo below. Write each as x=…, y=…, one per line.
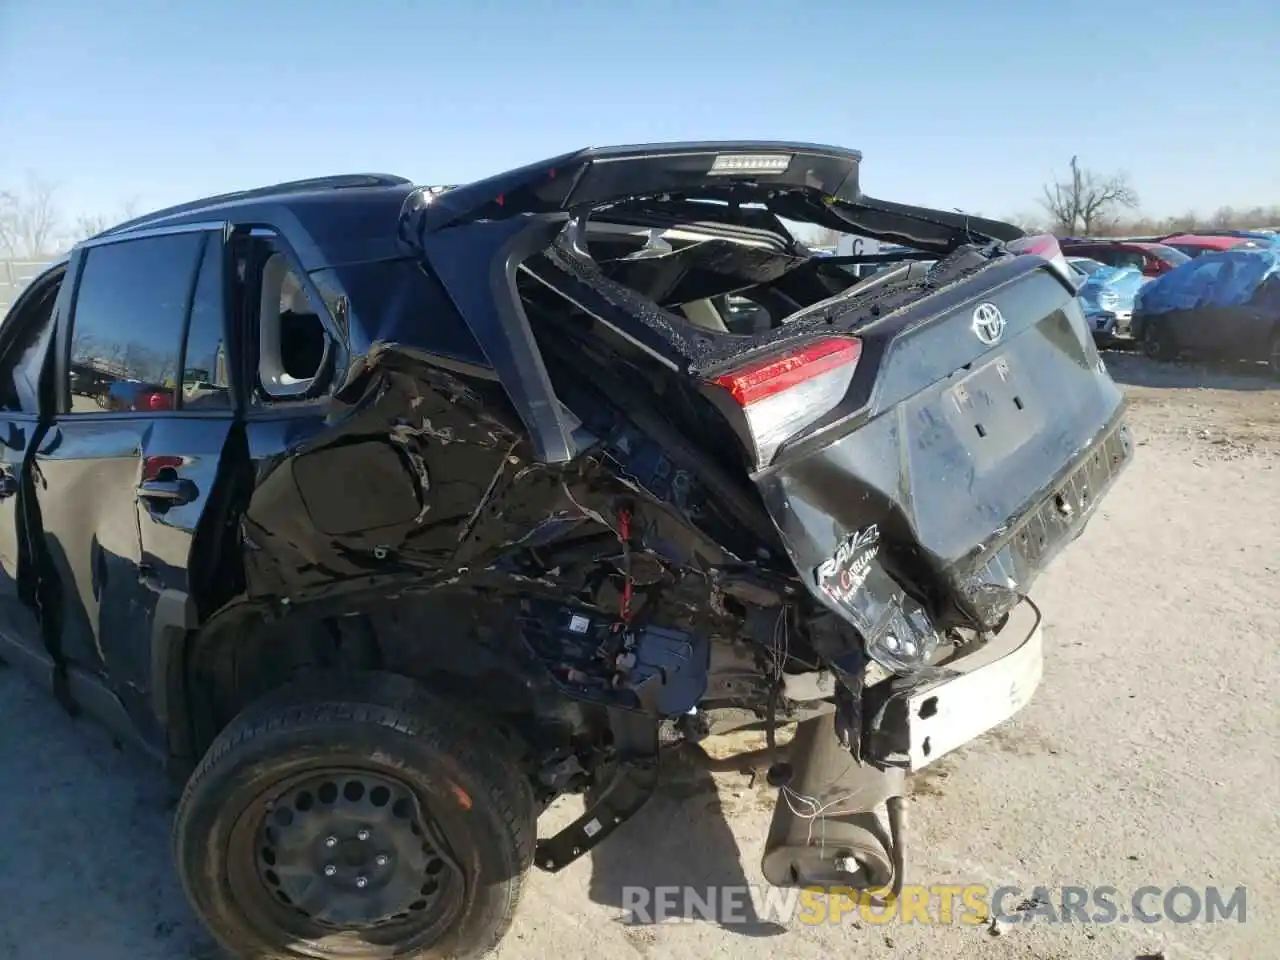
x=1152, y=259
x=1195, y=244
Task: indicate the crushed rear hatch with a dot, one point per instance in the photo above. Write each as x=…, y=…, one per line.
x=924, y=441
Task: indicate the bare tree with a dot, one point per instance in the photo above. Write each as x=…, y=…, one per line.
x=1087, y=200
x=30, y=221
x=90, y=225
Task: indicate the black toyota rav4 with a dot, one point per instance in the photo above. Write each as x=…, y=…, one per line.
x=483, y=496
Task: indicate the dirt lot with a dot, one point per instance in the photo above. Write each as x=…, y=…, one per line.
x=1148, y=757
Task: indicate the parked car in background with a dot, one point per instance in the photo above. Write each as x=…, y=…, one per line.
x=1223, y=305
x=1107, y=299
x=135, y=395
x=1266, y=236
x=1263, y=234
x=1198, y=244
x=1150, y=259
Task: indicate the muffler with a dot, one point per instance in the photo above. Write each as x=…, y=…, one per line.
x=826, y=830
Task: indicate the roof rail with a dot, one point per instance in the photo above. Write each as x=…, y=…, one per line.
x=342, y=181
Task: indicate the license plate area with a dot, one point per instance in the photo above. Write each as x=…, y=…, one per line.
x=993, y=411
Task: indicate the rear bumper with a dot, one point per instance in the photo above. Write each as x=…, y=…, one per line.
x=976, y=692
x=1013, y=560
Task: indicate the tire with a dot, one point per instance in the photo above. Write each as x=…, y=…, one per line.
x=1157, y=343
x=1273, y=354
x=272, y=810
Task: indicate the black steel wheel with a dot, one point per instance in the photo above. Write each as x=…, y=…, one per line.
x=359, y=821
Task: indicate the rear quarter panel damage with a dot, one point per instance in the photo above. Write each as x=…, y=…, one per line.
x=420, y=483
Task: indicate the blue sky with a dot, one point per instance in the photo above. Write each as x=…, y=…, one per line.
x=953, y=104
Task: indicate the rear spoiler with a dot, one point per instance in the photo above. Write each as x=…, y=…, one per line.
x=799, y=181
x=601, y=175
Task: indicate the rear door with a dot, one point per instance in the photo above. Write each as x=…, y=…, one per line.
x=122, y=487
x=25, y=347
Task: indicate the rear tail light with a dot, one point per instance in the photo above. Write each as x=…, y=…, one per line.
x=1046, y=246
x=782, y=395
x=154, y=400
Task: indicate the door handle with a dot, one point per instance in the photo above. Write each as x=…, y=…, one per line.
x=8, y=483
x=167, y=492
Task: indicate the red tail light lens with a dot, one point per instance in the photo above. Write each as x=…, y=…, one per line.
x=781, y=395
x=1046, y=246
x=1043, y=244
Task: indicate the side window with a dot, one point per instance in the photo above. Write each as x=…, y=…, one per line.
x=1127, y=258
x=291, y=341
x=26, y=353
x=206, y=383
x=127, y=325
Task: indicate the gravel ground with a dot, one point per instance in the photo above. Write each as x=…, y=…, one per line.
x=1149, y=755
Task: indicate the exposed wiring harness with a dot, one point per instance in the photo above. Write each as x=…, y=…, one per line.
x=624, y=535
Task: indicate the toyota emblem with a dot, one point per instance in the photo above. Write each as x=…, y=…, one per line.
x=988, y=323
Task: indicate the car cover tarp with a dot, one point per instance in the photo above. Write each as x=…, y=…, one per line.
x=1229, y=279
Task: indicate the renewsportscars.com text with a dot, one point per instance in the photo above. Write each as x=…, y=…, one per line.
x=937, y=904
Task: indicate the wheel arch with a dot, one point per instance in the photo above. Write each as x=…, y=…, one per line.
x=468, y=653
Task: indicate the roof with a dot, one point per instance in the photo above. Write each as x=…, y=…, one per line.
x=323, y=186
x=1206, y=240
x=1110, y=242
x=330, y=220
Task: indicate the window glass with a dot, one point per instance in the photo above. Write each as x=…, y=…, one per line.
x=127, y=324
x=205, y=381
x=1169, y=255
x=25, y=356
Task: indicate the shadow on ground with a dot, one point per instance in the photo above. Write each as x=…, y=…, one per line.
x=681, y=838
x=85, y=869
x=1135, y=370
x=84, y=853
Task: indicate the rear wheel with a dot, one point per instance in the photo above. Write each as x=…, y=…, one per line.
x=1158, y=343
x=361, y=821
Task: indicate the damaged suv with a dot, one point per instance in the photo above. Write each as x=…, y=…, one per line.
x=442, y=503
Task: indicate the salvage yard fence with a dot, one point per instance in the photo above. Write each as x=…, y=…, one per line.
x=14, y=275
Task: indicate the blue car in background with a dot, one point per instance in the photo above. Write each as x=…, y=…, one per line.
x=1107, y=299
x=1222, y=305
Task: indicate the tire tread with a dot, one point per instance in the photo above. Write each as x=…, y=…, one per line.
x=396, y=703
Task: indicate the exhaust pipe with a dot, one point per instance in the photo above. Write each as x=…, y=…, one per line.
x=826, y=831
